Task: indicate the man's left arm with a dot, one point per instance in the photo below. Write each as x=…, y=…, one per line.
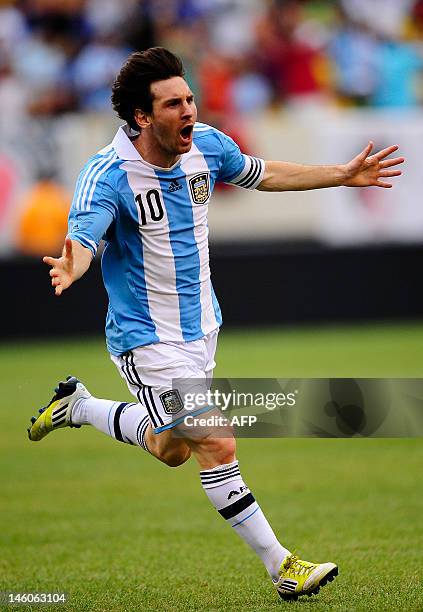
x=364, y=170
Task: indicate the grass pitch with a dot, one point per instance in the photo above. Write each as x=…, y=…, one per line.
x=118, y=531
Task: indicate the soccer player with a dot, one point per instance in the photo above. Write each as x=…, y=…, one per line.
x=146, y=194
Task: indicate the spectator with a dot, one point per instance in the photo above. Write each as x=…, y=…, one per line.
x=8, y=188
x=352, y=50
x=14, y=96
x=231, y=25
x=105, y=17
x=289, y=63
x=215, y=79
x=94, y=70
x=43, y=222
x=42, y=61
x=417, y=16
x=383, y=16
x=250, y=92
x=398, y=67
x=13, y=30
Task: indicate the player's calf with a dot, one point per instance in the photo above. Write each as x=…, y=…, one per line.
x=167, y=448
x=73, y=406
x=226, y=489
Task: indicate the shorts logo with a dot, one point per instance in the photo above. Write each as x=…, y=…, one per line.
x=200, y=188
x=171, y=401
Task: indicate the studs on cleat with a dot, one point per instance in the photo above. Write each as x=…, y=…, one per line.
x=288, y=597
x=33, y=419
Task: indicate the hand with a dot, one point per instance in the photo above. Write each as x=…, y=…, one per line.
x=367, y=170
x=62, y=268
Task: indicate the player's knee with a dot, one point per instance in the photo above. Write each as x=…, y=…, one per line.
x=175, y=456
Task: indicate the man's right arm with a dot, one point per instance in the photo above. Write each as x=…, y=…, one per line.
x=94, y=208
x=68, y=268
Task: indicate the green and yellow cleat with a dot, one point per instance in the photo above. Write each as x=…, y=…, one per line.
x=297, y=577
x=58, y=412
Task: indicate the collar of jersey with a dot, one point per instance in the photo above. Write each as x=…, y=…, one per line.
x=123, y=146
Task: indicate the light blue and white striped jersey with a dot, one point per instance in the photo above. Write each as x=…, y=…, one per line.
x=154, y=222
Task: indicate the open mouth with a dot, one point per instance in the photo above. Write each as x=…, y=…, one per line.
x=186, y=132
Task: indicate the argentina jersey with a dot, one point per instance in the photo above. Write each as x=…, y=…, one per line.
x=153, y=220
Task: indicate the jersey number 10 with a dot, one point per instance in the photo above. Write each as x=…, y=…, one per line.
x=154, y=205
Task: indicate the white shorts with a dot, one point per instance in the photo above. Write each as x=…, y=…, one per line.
x=150, y=372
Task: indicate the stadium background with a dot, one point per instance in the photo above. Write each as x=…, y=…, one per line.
x=311, y=284
x=308, y=81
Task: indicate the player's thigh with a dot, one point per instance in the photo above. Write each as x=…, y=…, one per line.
x=161, y=377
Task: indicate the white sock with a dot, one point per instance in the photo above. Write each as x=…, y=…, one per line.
x=124, y=422
x=229, y=494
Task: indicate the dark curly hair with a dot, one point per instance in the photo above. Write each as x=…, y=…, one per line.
x=131, y=89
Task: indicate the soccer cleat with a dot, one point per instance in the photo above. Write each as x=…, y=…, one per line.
x=58, y=412
x=297, y=577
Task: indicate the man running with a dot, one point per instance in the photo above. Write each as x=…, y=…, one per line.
x=147, y=194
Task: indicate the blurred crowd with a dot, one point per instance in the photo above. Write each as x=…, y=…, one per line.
x=242, y=57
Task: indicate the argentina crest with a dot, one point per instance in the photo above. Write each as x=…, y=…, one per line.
x=171, y=401
x=200, y=187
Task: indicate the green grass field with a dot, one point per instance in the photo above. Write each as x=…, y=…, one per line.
x=116, y=530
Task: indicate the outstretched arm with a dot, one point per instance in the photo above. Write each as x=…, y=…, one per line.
x=364, y=170
x=73, y=263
